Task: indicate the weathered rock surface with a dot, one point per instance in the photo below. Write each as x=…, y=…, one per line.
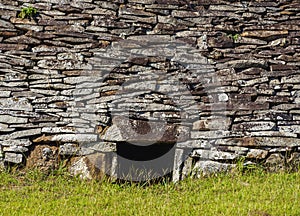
x=216, y=79
x=207, y=167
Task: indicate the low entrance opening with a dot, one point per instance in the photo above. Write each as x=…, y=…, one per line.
x=145, y=162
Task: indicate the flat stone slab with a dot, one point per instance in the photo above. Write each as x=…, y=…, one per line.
x=129, y=130
x=15, y=104
x=260, y=141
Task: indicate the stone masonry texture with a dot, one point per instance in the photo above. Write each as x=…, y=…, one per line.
x=71, y=75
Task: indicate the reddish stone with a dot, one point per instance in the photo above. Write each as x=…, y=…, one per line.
x=281, y=67
x=13, y=46
x=8, y=33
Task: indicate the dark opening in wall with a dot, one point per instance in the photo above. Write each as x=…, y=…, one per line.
x=143, y=152
x=137, y=162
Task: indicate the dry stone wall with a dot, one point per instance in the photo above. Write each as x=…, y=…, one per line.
x=207, y=83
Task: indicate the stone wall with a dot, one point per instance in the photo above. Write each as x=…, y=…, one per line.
x=205, y=82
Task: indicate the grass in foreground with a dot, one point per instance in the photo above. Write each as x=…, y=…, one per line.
x=256, y=193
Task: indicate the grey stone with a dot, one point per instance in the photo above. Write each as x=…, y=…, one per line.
x=74, y=138
x=245, y=40
x=187, y=168
x=102, y=147
x=8, y=47
x=80, y=79
x=5, y=24
x=213, y=155
x=247, y=63
x=260, y=141
x=43, y=91
x=63, y=65
x=177, y=163
x=275, y=162
x=51, y=110
x=69, y=149
x=96, y=29
x=13, y=158
x=12, y=119
x=290, y=79
x=51, y=99
x=5, y=128
x=21, y=134
x=142, y=131
x=291, y=129
x=189, y=33
x=270, y=134
x=257, y=154
x=100, y=11
x=54, y=12
x=52, y=49
x=54, y=130
x=94, y=166
x=87, y=97
x=212, y=124
x=150, y=20
x=30, y=28
x=85, y=151
x=145, y=106
x=47, y=153
x=148, y=2
x=226, y=8
x=207, y=167
x=281, y=149
x=223, y=97
x=236, y=149
x=82, y=91
x=80, y=168
x=15, y=104
x=28, y=94
x=23, y=39
x=182, y=13
x=112, y=134
x=150, y=38
x=195, y=144
x=189, y=58
x=70, y=56
x=254, y=126
x=5, y=94
x=15, y=149
x=82, y=5
x=49, y=117
x=45, y=88
x=216, y=134
x=16, y=142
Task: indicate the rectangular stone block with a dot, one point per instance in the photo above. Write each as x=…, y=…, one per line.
x=210, y=134
x=20, y=134
x=13, y=158
x=254, y=126
x=213, y=155
x=13, y=119
x=74, y=138
x=260, y=141
x=22, y=104
x=15, y=142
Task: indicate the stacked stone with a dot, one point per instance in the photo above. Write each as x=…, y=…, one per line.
x=70, y=76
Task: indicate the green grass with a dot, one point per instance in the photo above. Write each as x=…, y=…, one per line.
x=256, y=193
x=28, y=12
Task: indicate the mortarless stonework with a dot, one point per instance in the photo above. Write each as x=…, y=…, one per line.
x=71, y=77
